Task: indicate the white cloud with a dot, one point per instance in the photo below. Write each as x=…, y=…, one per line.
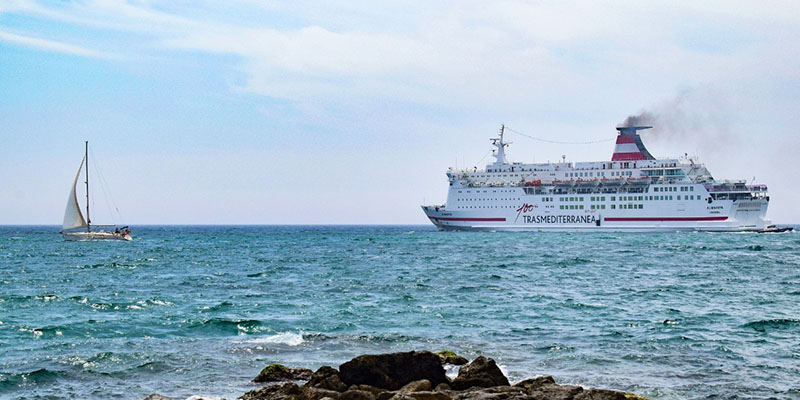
x=465, y=53
x=51, y=45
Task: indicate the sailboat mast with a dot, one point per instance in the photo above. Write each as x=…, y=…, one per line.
x=88, y=220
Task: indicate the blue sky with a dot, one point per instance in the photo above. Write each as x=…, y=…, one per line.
x=250, y=111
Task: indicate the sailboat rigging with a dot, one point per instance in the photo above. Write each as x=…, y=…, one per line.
x=74, y=223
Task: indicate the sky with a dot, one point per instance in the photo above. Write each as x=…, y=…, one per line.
x=301, y=112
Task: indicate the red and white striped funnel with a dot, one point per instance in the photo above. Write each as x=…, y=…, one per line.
x=629, y=145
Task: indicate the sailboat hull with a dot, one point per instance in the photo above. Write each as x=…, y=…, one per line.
x=94, y=236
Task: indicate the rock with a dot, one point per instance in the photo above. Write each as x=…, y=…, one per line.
x=156, y=396
x=372, y=389
x=554, y=392
x=357, y=395
x=385, y=395
x=274, y=392
x=600, y=394
x=442, y=387
x=424, y=395
x=280, y=373
x=326, y=378
x=495, y=392
x=448, y=357
x=481, y=372
x=477, y=394
x=422, y=385
x=314, y=393
x=534, y=383
x=393, y=371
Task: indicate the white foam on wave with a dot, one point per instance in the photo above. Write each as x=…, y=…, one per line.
x=287, y=338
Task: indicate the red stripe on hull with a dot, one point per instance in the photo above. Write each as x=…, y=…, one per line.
x=470, y=219
x=626, y=219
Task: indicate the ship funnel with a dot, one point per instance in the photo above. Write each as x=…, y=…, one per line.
x=629, y=145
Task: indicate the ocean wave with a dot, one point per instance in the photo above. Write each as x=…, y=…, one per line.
x=568, y=262
x=285, y=338
x=39, y=376
x=219, y=307
x=230, y=326
x=773, y=324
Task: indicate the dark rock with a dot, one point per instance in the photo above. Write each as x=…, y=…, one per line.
x=313, y=393
x=442, y=387
x=326, y=378
x=422, y=385
x=424, y=395
x=385, y=395
x=481, y=372
x=477, y=394
x=372, y=389
x=274, y=392
x=393, y=371
x=534, y=383
x=156, y=396
x=357, y=395
x=492, y=393
x=554, y=392
x=279, y=373
x=600, y=394
x=448, y=357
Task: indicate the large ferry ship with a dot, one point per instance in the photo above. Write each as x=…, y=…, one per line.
x=633, y=192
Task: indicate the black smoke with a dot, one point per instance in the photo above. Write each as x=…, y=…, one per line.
x=694, y=120
x=644, y=118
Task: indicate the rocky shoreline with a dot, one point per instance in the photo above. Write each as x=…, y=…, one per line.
x=415, y=375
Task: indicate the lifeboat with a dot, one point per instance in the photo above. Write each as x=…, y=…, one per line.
x=535, y=182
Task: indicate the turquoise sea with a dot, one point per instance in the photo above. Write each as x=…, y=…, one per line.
x=192, y=310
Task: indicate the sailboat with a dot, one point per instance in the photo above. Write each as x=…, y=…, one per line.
x=75, y=226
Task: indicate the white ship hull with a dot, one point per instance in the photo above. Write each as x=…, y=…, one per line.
x=731, y=217
x=95, y=236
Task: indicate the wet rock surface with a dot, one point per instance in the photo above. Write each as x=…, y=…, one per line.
x=393, y=371
x=481, y=372
x=420, y=376
x=281, y=373
x=448, y=357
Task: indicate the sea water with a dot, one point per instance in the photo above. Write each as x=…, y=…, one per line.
x=193, y=310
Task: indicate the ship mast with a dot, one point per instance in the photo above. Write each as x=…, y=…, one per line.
x=500, y=152
x=88, y=220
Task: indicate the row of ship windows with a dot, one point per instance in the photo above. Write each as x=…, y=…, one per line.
x=599, y=174
x=602, y=206
x=655, y=188
x=603, y=198
x=493, y=191
x=673, y=189
x=631, y=198
x=512, y=199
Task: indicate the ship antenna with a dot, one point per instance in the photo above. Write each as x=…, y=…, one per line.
x=500, y=152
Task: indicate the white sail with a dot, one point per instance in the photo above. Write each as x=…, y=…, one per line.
x=72, y=215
